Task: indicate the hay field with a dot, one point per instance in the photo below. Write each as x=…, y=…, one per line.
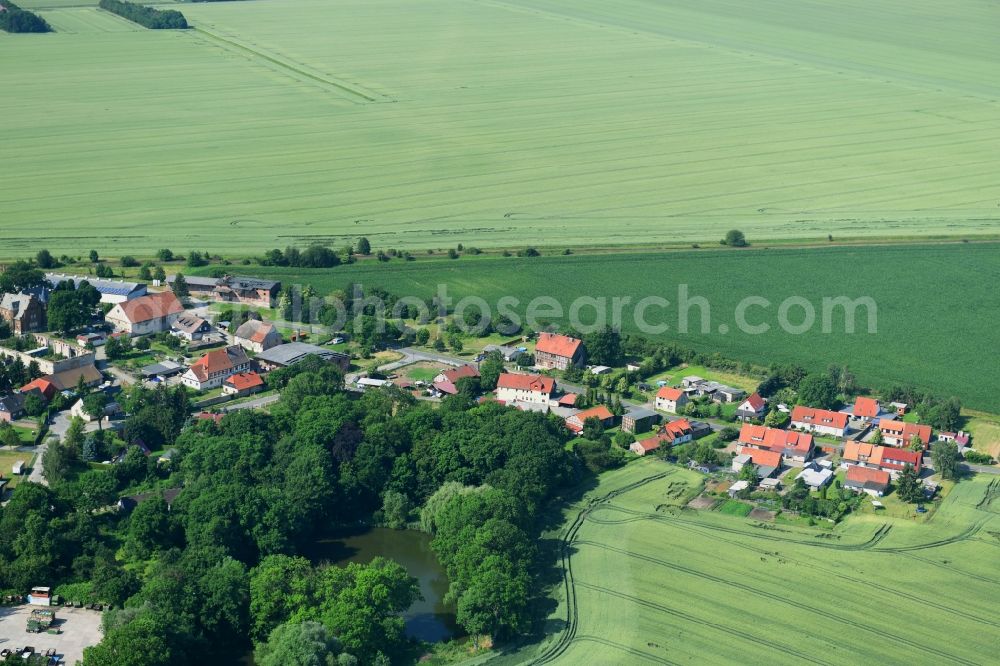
x=422, y=123
x=934, y=302
x=649, y=583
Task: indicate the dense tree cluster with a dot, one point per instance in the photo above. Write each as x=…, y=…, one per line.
x=15, y=19
x=314, y=256
x=21, y=276
x=148, y=17
x=71, y=307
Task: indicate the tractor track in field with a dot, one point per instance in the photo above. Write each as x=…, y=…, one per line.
x=626, y=648
x=694, y=525
x=727, y=629
x=292, y=67
x=946, y=567
x=569, y=584
x=771, y=596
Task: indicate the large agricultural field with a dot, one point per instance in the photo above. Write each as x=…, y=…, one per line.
x=933, y=302
x=422, y=123
x=649, y=582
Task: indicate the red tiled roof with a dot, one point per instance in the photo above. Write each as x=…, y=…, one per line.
x=216, y=360
x=854, y=451
x=905, y=430
x=557, y=345
x=775, y=439
x=151, y=306
x=867, y=407
x=894, y=458
x=568, y=400
x=819, y=417
x=208, y=416
x=47, y=388
x=867, y=475
x=764, y=457
x=245, y=380
x=756, y=402
x=669, y=393
x=648, y=445
x=455, y=374
x=600, y=411
x=539, y=383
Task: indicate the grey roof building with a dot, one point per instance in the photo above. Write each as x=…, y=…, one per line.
x=112, y=291
x=291, y=353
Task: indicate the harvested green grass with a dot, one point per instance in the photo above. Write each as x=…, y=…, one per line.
x=549, y=122
x=927, y=335
x=678, y=587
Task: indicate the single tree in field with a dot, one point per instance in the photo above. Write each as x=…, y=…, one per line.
x=44, y=259
x=946, y=459
x=94, y=257
x=735, y=238
x=364, y=247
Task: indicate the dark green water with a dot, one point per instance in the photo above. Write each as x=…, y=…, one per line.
x=429, y=620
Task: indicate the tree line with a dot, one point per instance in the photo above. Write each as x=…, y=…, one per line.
x=148, y=17
x=15, y=19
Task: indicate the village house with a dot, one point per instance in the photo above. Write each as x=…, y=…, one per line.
x=242, y=384
x=886, y=458
x=866, y=409
x=559, y=352
x=447, y=381
x=536, y=389
x=112, y=291
x=766, y=462
x=217, y=365
x=68, y=380
x=24, y=313
x=675, y=432
x=639, y=419
x=257, y=336
x=793, y=446
x=11, y=407
x=670, y=399
x=815, y=476
x=899, y=433
x=190, y=328
x=283, y=356
x=645, y=446
x=78, y=411
x=599, y=412
x=753, y=408
x=153, y=313
x=819, y=421
x=233, y=289
x=874, y=482
x=961, y=438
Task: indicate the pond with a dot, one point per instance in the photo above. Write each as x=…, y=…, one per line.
x=429, y=620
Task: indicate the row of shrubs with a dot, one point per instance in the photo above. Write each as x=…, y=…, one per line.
x=148, y=17
x=15, y=19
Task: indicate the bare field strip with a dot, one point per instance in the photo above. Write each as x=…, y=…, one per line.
x=500, y=121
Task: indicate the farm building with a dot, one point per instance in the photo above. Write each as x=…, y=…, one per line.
x=291, y=353
x=819, y=421
x=162, y=370
x=867, y=480
x=639, y=419
x=190, y=327
x=153, y=313
x=233, y=289
x=559, y=352
x=447, y=381
x=509, y=354
x=599, y=412
x=753, y=407
x=112, y=291
x=886, y=458
x=24, y=313
x=69, y=379
x=793, y=446
x=242, y=384
x=44, y=387
x=676, y=432
x=537, y=389
x=816, y=477
x=670, y=399
x=961, y=438
x=212, y=369
x=645, y=446
x=899, y=433
x=257, y=336
x=11, y=407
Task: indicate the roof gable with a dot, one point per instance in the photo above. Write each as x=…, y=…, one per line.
x=557, y=345
x=539, y=383
x=150, y=307
x=670, y=393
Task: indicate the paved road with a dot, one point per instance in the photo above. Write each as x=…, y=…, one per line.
x=57, y=429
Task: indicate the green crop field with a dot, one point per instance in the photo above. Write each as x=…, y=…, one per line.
x=647, y=582
x=422, y=123
x=934, y=303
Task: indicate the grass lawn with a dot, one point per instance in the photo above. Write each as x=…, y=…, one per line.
x=734, y=508
x=7, y=460
x=673, y=377
x=985, y=431
x=424, y=371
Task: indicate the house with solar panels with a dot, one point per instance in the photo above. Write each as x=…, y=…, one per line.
x=112, y=291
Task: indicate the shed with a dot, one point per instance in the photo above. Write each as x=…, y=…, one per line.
x=639, y=419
